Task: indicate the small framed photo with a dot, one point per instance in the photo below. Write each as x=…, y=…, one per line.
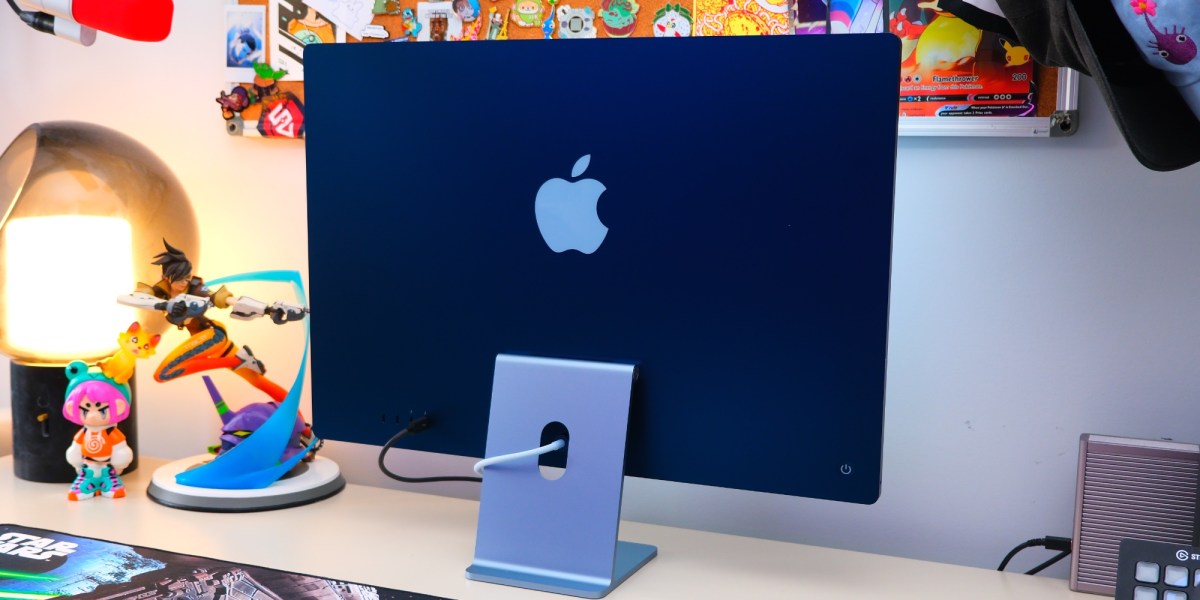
x=245, y=41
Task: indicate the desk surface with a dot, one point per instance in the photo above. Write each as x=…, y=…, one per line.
x=422, y=543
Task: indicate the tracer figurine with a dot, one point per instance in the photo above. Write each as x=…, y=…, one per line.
x=185, y=299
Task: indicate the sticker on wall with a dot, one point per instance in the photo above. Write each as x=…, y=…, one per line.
x=245, y=41
x=233, y=102
x=410, y=28
x=471, y=31
x=467, y=10
x=266, y=81
x=438, y=22
x=497, y=25
x=386, y=7
x=527, y=13
x=576, y=23
x=619, y=17
x=741, y=17
x=548, y=22
x=673, y=20
x=282, y=117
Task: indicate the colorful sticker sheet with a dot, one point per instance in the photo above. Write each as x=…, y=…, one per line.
x=950, y=69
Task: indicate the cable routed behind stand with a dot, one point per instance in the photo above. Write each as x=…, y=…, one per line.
x=422, y=423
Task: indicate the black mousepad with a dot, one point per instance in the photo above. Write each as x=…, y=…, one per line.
x=39, y=564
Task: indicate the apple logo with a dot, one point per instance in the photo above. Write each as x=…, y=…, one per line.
x=566, y=212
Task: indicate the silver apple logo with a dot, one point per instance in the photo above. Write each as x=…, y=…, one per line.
x=566, y=212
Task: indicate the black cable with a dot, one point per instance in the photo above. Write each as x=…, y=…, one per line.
x=1058, y=557
x=38, y=20
x=1014, y=551
x=416, y=426
x=1050, y=542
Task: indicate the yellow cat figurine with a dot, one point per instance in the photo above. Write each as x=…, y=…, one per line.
x=133, y=344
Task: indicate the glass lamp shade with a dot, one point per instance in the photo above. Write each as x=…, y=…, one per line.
x=83, y=211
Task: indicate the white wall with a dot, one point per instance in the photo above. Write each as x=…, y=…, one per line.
x=1041, y=289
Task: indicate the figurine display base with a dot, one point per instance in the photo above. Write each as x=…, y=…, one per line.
x=305, y=484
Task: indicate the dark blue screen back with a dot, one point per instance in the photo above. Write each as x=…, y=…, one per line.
x=749, y=195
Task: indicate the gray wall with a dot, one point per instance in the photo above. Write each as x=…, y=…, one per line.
x=1042, y=289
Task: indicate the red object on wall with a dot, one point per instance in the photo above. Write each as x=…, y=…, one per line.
x=140, y=20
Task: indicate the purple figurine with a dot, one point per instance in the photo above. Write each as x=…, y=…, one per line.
x=237, y=425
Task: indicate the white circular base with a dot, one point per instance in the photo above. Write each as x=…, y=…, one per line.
x=306, y=483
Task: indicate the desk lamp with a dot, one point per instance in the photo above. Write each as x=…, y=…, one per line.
x=78, y=203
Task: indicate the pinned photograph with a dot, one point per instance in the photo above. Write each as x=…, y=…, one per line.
x=245, y=41
x=439, y=22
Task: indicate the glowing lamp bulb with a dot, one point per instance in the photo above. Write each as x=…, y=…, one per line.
x=61, y=276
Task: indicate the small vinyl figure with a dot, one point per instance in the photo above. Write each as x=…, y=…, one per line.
x=99, y=452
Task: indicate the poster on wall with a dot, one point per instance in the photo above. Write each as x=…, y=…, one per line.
x=295, y=25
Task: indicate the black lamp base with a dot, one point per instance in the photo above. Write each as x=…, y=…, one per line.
x=41, y=435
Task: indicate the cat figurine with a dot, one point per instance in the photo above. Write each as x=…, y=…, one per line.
x=133, y=344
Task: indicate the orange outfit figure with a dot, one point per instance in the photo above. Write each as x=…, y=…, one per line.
x=184, y=299
x=209, y=346
x=99, y=451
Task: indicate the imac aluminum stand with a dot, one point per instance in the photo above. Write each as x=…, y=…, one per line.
x=557, y=535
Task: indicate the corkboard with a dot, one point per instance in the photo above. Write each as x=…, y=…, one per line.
x=1047, y=91
x=393, y=23
x=1047, y=77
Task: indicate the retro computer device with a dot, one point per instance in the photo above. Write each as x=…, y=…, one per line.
x=715, y=213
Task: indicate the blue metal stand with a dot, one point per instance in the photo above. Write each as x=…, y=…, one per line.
x=557, y=535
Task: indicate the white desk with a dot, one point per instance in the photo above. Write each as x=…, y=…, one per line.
x=422, y=543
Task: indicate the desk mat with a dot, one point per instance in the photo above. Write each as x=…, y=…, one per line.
x=37, y=564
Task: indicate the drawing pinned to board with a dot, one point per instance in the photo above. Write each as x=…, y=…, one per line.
x=294, y=25
x=353, y=16
x=245, y=41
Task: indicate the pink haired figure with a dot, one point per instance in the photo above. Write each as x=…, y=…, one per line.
x=99, y=451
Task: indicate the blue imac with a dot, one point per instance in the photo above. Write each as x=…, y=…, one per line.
x=714, y=212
